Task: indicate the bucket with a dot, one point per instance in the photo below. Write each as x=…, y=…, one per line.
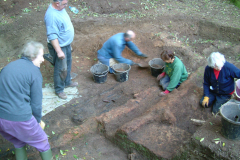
x=157, y=66
x=121, y=71
x=237, y=89
x=230, y=113
x=99, y=72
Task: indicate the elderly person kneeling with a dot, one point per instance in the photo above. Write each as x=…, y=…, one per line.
x=218, y=81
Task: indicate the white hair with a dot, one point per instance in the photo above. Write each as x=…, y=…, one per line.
x=129, y=34
x=32, y=49
x=216, y=59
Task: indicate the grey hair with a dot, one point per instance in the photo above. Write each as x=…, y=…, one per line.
x=216, y=59
x=31, y=49
x=128, y=34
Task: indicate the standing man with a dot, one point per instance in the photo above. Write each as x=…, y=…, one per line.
x=111, y=51
x=60, y=34
x=21, y=103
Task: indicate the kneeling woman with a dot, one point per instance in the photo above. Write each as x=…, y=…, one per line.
x=173, y=74
x=218, y=81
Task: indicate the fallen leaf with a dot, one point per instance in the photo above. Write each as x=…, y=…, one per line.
x=62, y=153
x=75, y=156
x=217, y=139
x=197, y=138
x=202, y=139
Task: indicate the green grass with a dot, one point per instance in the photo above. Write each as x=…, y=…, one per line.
x=236, y=3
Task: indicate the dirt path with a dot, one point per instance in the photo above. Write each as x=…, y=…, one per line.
x=83, y=129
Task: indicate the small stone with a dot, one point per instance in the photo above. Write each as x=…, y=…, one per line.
x=77, y=119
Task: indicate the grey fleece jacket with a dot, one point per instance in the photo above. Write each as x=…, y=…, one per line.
x=21, y=91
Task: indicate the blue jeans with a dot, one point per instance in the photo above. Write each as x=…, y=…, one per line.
x=216, y=101
x=105, y=61
x=62, y=68
x=164, y=82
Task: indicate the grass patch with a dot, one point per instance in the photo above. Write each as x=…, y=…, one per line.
x=236, y=2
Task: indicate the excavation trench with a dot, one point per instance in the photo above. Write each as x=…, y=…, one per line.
x=128, y=120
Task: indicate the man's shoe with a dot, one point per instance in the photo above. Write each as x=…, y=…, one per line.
x=62, y=95
x=72, y=84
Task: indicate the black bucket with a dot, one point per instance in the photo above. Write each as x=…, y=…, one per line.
x=230, y=113
x=157, y=66
x=99, y=72
x=121, y=71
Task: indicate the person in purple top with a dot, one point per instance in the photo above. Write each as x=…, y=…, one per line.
x=21, y=103
x=111, y=51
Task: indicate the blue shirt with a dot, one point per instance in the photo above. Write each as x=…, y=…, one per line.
x=21, y=91
x=114, y=46
x=224, y=84
x=59, y=26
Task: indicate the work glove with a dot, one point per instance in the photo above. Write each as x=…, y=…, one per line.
x=144, y=55
x=205, y=101
x=164, y=93
x=42, y=124
x=160, y=76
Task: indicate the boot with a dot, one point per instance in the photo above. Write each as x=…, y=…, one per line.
x=21, y=153
x=47, y=155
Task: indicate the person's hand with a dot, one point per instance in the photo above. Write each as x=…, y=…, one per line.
x=161, y=94
x=164, y=93
x=160, y=76
x=61, y=55
x=144, y=55
x=42, y=124
x=205, y=101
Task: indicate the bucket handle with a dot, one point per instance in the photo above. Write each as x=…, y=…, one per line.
x=101, y=74
x=235, y=88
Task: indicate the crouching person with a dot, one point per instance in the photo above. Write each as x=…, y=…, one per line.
x=173, y=74
x=218, y=81
x=21, y=103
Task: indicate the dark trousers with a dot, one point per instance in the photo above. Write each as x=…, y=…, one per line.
x=216, y=101
x=62, y=68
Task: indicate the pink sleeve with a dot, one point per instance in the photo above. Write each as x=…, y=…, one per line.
x=163, y=74
x=166, y=91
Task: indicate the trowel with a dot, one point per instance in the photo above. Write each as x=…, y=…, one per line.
x=143, y=65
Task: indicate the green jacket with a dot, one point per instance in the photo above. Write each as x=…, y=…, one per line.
x=177, y=73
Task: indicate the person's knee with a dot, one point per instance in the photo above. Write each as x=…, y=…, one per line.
x=63, y=75
x=43, y=145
